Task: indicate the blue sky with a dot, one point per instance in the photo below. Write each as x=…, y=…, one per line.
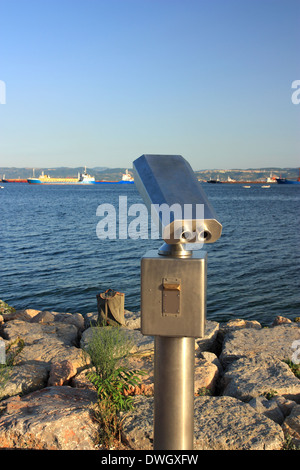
x=100, y=82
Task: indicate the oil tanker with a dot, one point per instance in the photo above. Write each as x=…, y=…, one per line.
x=82, y=179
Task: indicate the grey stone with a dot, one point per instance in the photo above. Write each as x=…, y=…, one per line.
x=26, y=315
x=284, y=404
x=225, y=423
x=275, y=342
x=211, y=357
x=209, y=341
x=55, y=418
x=291, y=426
x=220, y=423
x=22, y=379
x=90, y=319
x=75, y=319
x=31, y=332
x=269, y=408
x=44, y=344
x=137, y=428
x=48, y=350
x=43, y=317
x=133, y=320
x=250, y=377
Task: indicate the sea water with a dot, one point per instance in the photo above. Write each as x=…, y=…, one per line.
x=52, y=258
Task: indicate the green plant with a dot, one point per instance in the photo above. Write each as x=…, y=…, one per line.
x=203, y=391
x=270, y=394
x=107, y=348
x=4, y=375
x=289, y=444
x=115, y=386
x=109, y=423
x=295, y=368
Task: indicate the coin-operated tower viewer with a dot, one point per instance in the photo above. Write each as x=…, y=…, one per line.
x=173, y=289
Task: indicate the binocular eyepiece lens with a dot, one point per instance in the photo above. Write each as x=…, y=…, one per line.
x=204, y=235
x=188, y=236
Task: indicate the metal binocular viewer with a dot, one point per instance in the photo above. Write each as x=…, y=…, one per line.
x=173, y=280
x=176, y=200
x=173, y=289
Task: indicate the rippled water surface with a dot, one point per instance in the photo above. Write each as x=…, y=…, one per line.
x=52, y=259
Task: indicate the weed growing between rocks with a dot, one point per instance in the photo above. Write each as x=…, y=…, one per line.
x=108, y=346
x=295, y=368
x=289, y=444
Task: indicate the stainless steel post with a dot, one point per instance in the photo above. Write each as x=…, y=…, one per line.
x=173, y=289
x=174, y=393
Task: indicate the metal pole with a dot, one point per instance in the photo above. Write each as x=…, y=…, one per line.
x=174, y=361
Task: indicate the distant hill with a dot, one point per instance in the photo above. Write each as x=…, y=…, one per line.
x=114, y=174
x=251, y=174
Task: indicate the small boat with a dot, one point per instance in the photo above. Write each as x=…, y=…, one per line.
x=246, y=186
x=217, y=181
x=266, y=186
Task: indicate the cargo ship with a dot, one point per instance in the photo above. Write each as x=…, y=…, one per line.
x=82, y=179
x=285, y=181
x=13, y=180
x=126, y=179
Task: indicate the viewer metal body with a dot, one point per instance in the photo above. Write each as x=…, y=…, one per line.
x=173, y=290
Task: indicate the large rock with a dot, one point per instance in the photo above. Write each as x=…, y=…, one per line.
x=205, y=376
x=55, y=418
x=22, y=379
x=25, y=315
x=132, y=320
x=45, y=343
x=220, y=423
x=137, y=427
x=61, y=373
x=67, y=334
x=225, y=423
x=43, y=346
x=45, y=316
x=48, y=350
x=275, y=342
x=250, y=377
x=209, y=340
x=236, y=324
x=275, y=408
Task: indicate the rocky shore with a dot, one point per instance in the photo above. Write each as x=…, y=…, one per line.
x=246, y=394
